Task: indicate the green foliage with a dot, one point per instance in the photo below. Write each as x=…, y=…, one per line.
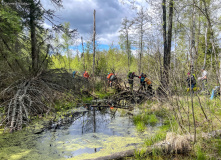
x=87, y=99
x=67, y=42
x=218, y=146
x=137, y=118
x=153, y=119
x=143, y=119
x=106, y=61
x=103, y=95
x=140, y=155
x=99, y=85
x=10, y=22
x=200, y=154
x=140, y=126
x=64, y=105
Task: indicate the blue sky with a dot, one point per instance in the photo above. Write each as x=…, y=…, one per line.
x=100, y=47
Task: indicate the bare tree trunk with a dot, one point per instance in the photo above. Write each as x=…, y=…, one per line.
x=94, y=43
x=220, y=73
x=82, y=43
x=128, y=52
x=167, y=41
x=164, y=26
x=193, y=53
x=141, y=40
x=163, y=78
x=141, y=47
x=169, y=36
x=216, y=62
x=174, y=56
x=206, y=46
x=198, y=33
x=210, y=29
x=193, y=48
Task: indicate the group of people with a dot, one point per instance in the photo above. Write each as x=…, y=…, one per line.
x=145, y=83
x=191, y=80
x=85, y=74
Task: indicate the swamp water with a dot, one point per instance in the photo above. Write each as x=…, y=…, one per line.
x=97, y=132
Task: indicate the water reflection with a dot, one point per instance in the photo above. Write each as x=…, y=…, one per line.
x=97, y=132
x=97, y=121
x=109, y=122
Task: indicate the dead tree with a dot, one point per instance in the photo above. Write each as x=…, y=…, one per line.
x=94, y=34
x=83, y=52
x=140, y=22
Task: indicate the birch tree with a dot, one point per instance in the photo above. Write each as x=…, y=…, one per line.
x=126, y=25
x=140, y=21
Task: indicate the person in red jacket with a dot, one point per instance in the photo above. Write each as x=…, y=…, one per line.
x=86, y=75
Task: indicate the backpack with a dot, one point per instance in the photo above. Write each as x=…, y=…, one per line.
x=86, y=75
x=113, y=77
x=147, y=81
x=142, y=80
x=130, y=75
x=109, y=75
x=74, y=73
x=193, y=79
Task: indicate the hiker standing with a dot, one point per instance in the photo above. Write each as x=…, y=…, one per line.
x=111, y=77
x=131, y=76
x=86, y=75
x=75, y=73
x=191, y=80
x=149, y=85
x=142, y=82
x=215, y=92
x=204, y=80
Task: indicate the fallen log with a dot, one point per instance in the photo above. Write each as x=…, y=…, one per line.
x=108, y=106
x=179, y=144
x=118, y=155
x=173, y=144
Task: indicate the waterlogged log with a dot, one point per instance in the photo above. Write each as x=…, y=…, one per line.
x=173, y=144
x=112, y=107
x=118, y=155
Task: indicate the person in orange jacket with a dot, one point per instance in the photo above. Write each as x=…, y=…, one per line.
x=111, y=77
x=108, y=78
x=149, y=85
x=86, y=75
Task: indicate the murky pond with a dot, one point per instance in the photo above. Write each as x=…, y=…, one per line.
x=97, y=132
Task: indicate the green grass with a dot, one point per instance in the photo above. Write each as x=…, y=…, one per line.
x=158, y=136
x=152, y=119
x=87, y=99
x=140, y=126
x=145, y=119
x=64, y=105
x=103, y=95
x=161, y=113
x=200, y=154
x=137, y=119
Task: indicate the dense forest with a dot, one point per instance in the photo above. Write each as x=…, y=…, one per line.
x=175, y=43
